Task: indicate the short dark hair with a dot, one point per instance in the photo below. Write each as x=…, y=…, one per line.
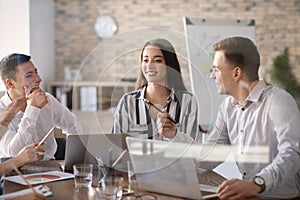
x=241, y=51
x=174, y=77
x=8, y=65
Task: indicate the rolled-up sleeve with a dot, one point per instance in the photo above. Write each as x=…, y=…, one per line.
x=286, y=123
x=13, y=141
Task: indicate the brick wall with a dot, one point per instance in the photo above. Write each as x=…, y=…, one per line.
x=277, y=27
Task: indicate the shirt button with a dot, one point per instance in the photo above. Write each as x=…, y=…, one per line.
x=243, y=109
x=245, y=174
x=242, y=130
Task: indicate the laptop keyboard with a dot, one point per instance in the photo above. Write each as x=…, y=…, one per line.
x=208, y=188
x=210, y=178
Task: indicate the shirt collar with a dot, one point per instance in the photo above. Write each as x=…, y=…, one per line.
x=254, y=95
x=6, y=99
x=257, y=91
x=143, y=90
x=172, y=95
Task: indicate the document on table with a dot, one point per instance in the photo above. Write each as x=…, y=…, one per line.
x=39, y=178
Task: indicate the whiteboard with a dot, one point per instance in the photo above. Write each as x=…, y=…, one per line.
x=201, y=34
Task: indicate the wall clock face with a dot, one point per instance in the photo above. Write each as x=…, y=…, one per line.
x=105, y=26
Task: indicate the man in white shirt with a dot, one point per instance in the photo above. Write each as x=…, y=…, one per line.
x=28, y=154
x=255, y=114
x=40, y=113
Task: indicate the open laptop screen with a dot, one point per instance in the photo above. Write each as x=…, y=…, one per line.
x=86, y=148
x=162, y=167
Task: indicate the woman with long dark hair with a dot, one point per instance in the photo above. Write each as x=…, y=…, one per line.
x=160, y=107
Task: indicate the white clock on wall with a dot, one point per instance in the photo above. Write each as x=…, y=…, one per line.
x=105, y=26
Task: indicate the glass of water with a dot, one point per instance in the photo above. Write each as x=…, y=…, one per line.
x=112, y=188
x=83, y=175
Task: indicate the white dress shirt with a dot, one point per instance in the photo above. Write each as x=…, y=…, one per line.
x=132, y=115
x=3, y=130
x=32, y=125
x=269, y=117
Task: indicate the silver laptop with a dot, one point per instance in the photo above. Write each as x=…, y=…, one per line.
x=164, y=167
x=86, y=148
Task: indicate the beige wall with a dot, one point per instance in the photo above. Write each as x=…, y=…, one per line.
x=277, y=27
x=27, y=27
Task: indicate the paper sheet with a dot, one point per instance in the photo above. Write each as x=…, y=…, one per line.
x=40, y=178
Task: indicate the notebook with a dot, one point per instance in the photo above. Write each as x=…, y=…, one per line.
x=86, y=148
x=162, y=167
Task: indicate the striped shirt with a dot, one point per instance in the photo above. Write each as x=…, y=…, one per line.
x=132, y=115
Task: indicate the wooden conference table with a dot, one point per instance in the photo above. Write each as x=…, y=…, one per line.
x=66, y=189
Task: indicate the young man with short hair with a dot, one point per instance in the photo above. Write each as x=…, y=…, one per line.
x=255, y=114
x=40, y=113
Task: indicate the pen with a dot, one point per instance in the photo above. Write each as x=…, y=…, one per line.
x=158, y=109
x=45, y=137
x=119, y=158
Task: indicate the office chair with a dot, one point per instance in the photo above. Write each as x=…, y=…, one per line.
x=61, y=146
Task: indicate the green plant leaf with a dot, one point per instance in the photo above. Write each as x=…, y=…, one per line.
x=283, y=76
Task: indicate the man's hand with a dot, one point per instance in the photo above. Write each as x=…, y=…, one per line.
x=28, y=154
x=237, y=189
x=12, y=109
x=165, y=126
x=37, y=97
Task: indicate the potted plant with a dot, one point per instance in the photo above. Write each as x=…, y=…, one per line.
x=282, y=75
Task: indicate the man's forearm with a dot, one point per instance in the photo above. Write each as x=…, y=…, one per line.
x=8, y=166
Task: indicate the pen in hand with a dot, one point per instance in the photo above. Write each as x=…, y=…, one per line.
x=158, y=109
x=45, y=137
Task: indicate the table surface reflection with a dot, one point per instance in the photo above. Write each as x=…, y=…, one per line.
x=65, y=189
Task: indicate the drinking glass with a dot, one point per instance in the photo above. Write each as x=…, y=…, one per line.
x=112, y=187
x=83, y=175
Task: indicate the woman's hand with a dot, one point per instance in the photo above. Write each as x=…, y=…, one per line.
x=165, y=124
